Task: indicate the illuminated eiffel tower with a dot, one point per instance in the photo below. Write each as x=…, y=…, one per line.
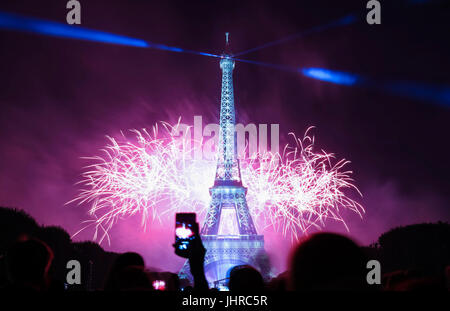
x=228, y=233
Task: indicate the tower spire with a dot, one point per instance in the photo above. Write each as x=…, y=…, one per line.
x=227, y=44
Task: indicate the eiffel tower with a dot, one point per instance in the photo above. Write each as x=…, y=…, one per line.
x=228, y=233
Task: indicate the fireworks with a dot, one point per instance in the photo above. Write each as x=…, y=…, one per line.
x=299, y=189
x=156, y=176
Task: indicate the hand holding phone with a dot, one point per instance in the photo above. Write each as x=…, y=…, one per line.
x=188, y=244
x=186, y=231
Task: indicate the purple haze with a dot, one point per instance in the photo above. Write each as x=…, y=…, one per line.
x=59, y=98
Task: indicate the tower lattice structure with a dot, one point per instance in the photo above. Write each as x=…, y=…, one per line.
x=228, y=232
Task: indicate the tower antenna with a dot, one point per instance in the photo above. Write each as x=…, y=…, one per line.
x=227, y=50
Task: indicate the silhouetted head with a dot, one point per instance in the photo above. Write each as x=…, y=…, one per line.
x=328, y=261
x=27, y=264
x=120, y=264
x=128, y=259
x=279, y=283
x=133, y=278
x=245, y=278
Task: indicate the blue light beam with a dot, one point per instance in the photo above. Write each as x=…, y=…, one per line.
x=33, y=25
x=336, y=77
x=268, y=65
x=419, y=91
x=425, y=92
x=346, y=20
x=440, y=94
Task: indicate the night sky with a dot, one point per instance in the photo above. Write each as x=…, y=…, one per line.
x=60, y=97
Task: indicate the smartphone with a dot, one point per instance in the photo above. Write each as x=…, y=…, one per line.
x=184, y=232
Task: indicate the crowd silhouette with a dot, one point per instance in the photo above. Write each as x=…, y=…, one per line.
x=33, y=258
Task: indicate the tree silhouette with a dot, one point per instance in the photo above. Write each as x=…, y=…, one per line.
x=424, y=248
x=13, y=224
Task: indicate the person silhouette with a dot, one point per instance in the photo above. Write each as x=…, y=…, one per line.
x=123, y=261
x=245, y=278
x=27, y=264
x=327, y=261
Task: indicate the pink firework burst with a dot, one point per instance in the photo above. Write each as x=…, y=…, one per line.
x=299, y=189
x=156, y=176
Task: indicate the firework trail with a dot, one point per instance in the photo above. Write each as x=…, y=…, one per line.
x=299, y=189
x=156, y=176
